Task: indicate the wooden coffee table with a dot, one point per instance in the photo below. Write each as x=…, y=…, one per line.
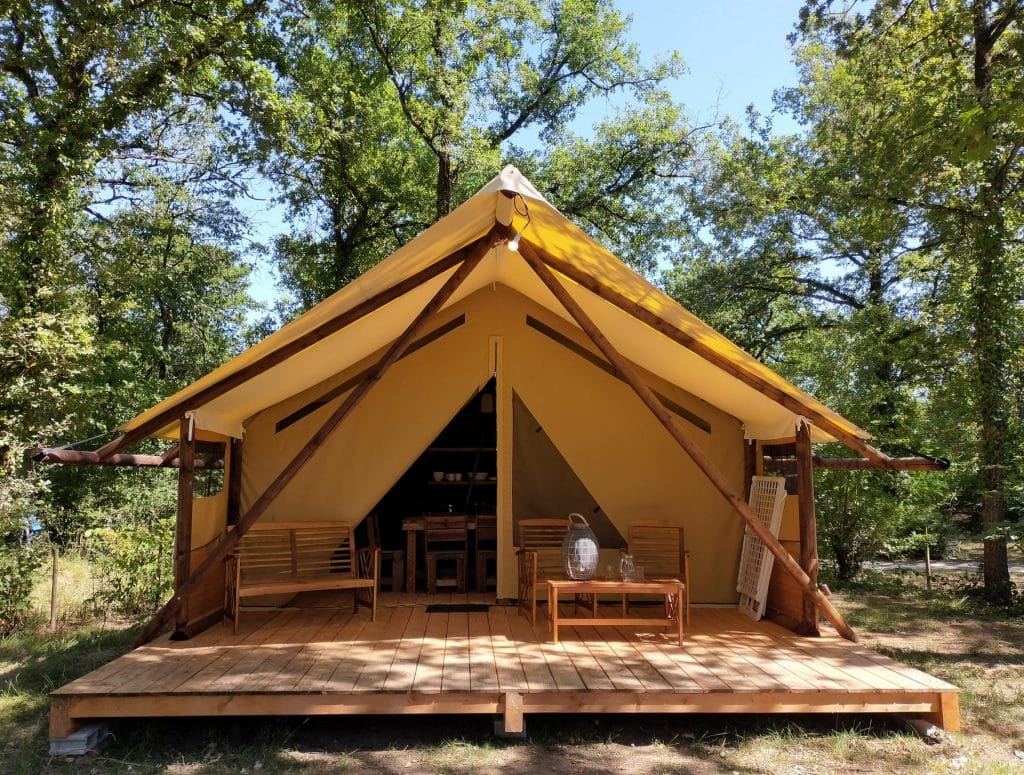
x=671, y=589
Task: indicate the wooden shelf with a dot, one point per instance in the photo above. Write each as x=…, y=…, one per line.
x=464, y=482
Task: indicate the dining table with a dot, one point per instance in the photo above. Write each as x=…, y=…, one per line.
x=413, y=527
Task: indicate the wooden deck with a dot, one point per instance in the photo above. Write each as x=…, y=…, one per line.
x=321, y=660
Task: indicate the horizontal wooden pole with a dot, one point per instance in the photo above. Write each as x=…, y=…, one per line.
x=76, y=457
x=894, y=464
x=281, y=354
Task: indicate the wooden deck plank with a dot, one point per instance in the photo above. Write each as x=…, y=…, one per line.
x=378, y=661
x=403, y=666
x=455, y=674
x=535, y=664
x=650, y=679
x=273, y=672
x=765, y=660
x=573, y=642
x=430, y=665
x=648, y=646
x=347, y=671
x=781, y=644
x=179, y=671
x=483, y=670
x=511, y=677
x=609, y=661
x=233, y=669
x=336, y=645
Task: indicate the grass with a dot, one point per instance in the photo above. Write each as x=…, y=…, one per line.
x=947, y=632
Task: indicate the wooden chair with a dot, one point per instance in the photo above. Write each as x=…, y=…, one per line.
x=486, y=551
x=540, y=558
x=392, y=561
x=446, y=540
x=660, y=549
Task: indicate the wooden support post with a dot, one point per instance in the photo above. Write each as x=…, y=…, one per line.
x=595, y=285
x=749, y=465
x=235, y=481
x=183, y=526
x=287, y=350
x=260, y=505
x=808, y=524
x=512, y=723
x=717, y=478
x=61, y=723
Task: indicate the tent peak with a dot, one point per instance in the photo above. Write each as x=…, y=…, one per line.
x=511, y=179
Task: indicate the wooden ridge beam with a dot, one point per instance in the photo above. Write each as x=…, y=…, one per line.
x=674, y=428
x=596, y=286
x=304, y=455
x=286, y=351
x=894, y=464
x=86, y=458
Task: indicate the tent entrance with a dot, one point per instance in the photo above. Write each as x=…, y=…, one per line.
x=455, y=477
x=544, y=484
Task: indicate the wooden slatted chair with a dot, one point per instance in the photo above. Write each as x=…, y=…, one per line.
x=540, y=558
x=486, y=551
x=660, y=549
x=447, y=541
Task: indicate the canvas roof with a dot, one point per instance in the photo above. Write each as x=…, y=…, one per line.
x=550, y=231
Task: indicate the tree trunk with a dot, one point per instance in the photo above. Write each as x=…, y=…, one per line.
x=998, y=588
x=992, y=311
x=445, y=182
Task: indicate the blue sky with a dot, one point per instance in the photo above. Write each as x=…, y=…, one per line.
x=735, y=52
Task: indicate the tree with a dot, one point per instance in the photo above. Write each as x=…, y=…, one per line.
x=936, y=89
x=393, y=112
x=94, y=98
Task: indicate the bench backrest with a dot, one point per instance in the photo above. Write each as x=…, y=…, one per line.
x=658, y=547
x=290, y=549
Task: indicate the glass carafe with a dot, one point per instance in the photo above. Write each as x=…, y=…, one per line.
x=627, y=569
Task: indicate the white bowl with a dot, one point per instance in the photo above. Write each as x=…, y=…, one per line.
x=438, y=475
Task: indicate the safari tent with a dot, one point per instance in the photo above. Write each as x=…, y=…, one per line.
x=588, y=390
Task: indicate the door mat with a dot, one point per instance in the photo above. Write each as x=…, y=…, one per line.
x=458, y=608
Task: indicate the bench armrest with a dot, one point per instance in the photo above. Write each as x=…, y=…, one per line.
x=368, y=564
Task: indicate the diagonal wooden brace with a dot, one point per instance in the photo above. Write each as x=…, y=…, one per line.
x=260, y=505
x=666, y=418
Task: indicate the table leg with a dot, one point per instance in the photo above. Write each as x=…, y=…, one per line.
x=679, y=612
x=553, y=612
x=410, y=561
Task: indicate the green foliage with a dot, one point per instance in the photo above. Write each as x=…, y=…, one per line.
x=858, y=514
x=18, y=563
x=130, y=546
x=391, y=113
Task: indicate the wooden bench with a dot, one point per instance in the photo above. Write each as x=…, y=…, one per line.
x=290, y=557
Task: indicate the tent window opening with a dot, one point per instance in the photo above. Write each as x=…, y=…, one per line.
x=780, y=460
x=209, y=480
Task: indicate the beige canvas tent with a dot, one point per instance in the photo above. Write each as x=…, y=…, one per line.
x=497, y=321
x=602, y=395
